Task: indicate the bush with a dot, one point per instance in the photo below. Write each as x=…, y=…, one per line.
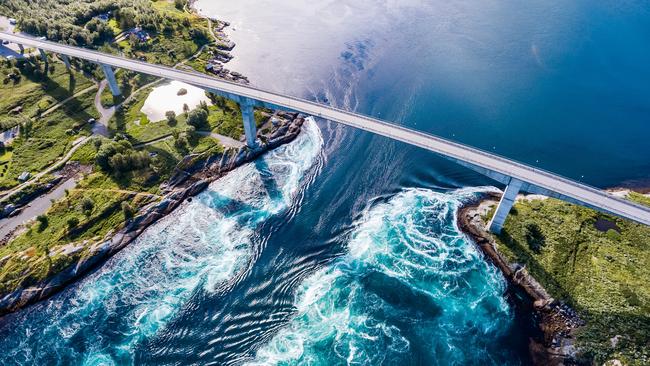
x=127, y=210
x=197, y=117
x=534, y=237
x=72, y=223
x=87, y=205
x=43, y=222
x=179, y=4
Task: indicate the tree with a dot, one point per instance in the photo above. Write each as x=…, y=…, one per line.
x=42, y=222
x=127, y=210
x=72, y=223
x=534, y=237
x=97, y=142
x=179, y=4
x=171, y=117
x=105, y=152
x=197, y=117
x=87, y=205
x=203, y=105
x=126, y=18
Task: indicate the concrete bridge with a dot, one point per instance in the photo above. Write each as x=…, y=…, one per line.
x=516, y=176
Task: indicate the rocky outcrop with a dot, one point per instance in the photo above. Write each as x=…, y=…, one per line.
x=191, y=177
x=556, y=321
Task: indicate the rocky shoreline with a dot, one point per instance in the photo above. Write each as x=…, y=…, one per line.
x=191, y=177
x=556, y=321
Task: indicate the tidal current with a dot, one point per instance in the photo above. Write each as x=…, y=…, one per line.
x=342, y=247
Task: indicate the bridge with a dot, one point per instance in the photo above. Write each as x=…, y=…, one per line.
x=517, y=177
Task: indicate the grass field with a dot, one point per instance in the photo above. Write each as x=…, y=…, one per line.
x=36, y=96
x=50, y=138
x=597, y=263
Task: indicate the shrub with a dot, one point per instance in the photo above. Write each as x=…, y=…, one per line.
x=127, y=210
x=534, y=237
x=87, y=205
x=72, y=223
x=43, y=222
x=197, y=117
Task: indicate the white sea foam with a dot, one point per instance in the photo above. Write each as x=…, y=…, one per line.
x=203, y=243
x=343, y=317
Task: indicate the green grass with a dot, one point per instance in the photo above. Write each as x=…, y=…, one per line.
x=169, y=48
x=225, y=121
x=51, y=137
x=29, y=256
x=603, y=275
x=114, y=26
x=32, y=94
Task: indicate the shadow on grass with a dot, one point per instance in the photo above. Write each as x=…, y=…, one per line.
x=633, y=328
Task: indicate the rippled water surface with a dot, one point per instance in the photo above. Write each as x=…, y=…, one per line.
x=342, y=247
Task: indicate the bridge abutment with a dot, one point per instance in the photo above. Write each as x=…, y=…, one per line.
x=112, y=82
x=506, y=203
x=248, y=116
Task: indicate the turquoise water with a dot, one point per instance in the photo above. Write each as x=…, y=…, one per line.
x=342, y=247
x=198, y=248
x=411, y=289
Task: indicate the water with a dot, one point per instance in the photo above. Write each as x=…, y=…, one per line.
x=411, y=289
x=342, y=248
x=197, y=249
x=165, y=98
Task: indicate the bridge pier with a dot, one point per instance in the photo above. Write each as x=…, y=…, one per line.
x=66, y=61
x=43, y=54
x=112, y=82
x=248, y=116
x=506, y=203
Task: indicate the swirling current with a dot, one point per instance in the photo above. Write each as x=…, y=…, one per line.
x=410, y=290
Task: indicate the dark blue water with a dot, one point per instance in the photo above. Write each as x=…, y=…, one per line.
x=342, y=248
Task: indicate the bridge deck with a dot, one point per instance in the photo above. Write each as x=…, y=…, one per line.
x=590, y=196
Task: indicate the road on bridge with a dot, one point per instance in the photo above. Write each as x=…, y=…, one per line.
x=576, y=191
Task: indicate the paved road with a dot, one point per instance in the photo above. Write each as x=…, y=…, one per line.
x=539, y=178
x=37, y=207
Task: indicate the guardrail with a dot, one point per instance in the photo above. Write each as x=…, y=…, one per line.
x=372, y=125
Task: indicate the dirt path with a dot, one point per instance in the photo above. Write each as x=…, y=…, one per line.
x=66, y=100
x=76, y=145
x=224, y=140
x=101, y=125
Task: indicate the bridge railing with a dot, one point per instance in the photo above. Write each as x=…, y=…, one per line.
x=255, y=93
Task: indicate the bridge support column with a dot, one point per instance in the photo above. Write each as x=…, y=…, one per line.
x=66, y=61
x=506, y=203
x=43, y=54
x=112, y=82
x=250, y=128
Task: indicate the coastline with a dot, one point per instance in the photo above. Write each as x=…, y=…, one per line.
x=562, y=336
x=556, y=321
x=192, y=175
